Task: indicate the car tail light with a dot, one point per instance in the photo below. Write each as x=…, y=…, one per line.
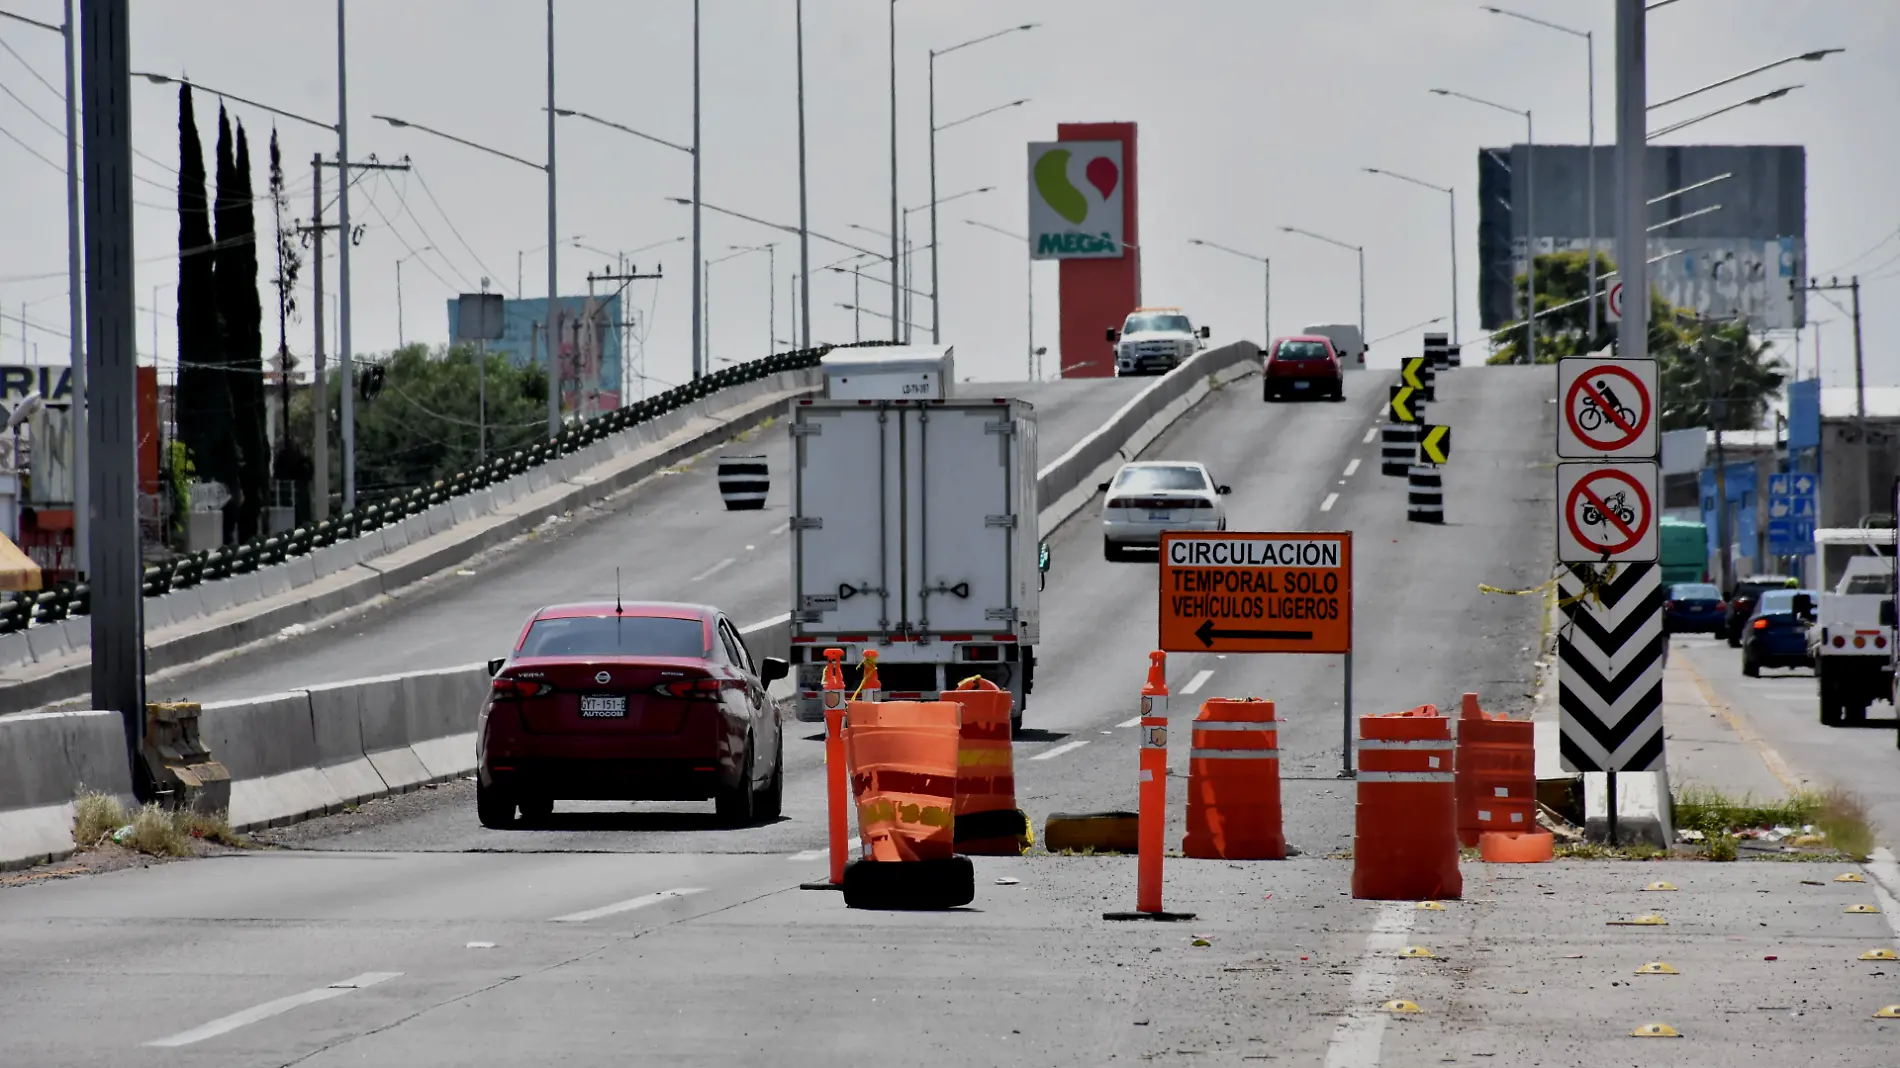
x=1860, y=642
x=1761, y=624
x=1196, y=502
x=1840, y=642
x=1880, y=642
x=1721, y=606
x=698, y=689
x=1669, y=604
x=981, y=652
x=507, y=687
x=1118, y=502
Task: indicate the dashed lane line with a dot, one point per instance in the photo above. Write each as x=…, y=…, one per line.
x=1327, y=504
x=1352, y=467
x=1361, y=1029
x=226, y=1024
x=630, y=904
x=1370, y=434
x=713, y=570
x=1135, y=722
x=1065, y=747
x=1194, y=684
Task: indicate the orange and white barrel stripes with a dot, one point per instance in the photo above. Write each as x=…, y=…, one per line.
x=1233, y=807
x=1497, y=774
x=1405, y=840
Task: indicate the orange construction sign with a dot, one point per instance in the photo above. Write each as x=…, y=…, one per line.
x=1237, y=592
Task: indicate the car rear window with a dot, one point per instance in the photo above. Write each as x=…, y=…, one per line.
x=1780, y=601
x=1141, y=479
x=616, y=636
x=1695, y=593
x=1300, y=350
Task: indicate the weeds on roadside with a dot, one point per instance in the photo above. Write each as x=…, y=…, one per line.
x=1710, y=811
x=1844, y=820
x=152, y=830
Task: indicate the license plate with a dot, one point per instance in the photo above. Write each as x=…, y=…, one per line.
x=603, y=706
x=1160, y=517
x=1301, y=385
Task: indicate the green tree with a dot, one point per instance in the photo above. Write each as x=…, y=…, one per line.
x=241, y=322
x=1723, y=362
x=289, y=465
x=202, y=399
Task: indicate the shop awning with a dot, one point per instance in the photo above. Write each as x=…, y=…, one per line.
x=17, y=570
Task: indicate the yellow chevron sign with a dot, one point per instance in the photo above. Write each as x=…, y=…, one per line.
x=1413, y=372
x=1434, y=443
x=1402, y=411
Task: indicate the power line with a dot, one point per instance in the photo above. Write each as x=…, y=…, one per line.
x=404, y=242
x=424, y=183
x=1876, y=247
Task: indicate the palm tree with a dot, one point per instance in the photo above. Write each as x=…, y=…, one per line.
x=1746, y=374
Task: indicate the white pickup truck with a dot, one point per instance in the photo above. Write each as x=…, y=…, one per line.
x=1851, y=631
x=1154, y=341
x=913, y=530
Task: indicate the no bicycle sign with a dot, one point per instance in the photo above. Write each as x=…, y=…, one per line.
x=1609, y=408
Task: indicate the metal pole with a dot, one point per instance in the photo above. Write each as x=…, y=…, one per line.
x=1860, y=399
x=1452, y=196
x=555, y=381
x=1590, y=187
x=1266, y=303
x=699, y=260
x=481, y=400
x=1033, y=375
x=1721, y=464
x=804, y=234
x=399, y=338
x=320, y=404
x=118, y=603
x=936, y=288
x=1362, y=298
x=345, y=358
x=771, y=299
x=896, y=305
x=857, y=303
x=1345, y=748
x=1530, y=239
x=76, y=308
x=1632, y=138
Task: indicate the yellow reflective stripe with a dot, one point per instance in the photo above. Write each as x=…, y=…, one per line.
x=969, y=758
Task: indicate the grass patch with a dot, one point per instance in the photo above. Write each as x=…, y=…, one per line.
x=1843, y=819
x=96, y=815
x=1605, y=851
x=1712, y=812
x=152, y=830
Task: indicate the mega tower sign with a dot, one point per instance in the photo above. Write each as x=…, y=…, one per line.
x=1075, y=200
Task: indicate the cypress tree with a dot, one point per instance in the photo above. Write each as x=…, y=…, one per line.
x=243, y=315
x=202, y=401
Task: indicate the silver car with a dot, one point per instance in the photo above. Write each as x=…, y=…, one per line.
x=1145, y=499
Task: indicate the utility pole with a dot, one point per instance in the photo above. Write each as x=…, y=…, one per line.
x=319, y=397
x=626, y=275
x=1861, y=496
x=1717, y=409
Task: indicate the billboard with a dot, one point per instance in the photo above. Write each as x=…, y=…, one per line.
x=1075, y=200
x=587, y=333
x=1736, y=244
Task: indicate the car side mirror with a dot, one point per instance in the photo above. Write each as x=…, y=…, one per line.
x=1886, y=613
x=772, y=669
x=1207, y=331
x=1101, y=487
x=494, y=666
x=1112, y=333
x=1223, y=490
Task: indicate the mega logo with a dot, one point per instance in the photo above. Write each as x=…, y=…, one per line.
x=1074, y=244
x=1052, y=181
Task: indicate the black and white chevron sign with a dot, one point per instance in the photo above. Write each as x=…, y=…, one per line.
x=1609, y=682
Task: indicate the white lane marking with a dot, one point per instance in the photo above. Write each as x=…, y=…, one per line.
x=814, y=854
x=1353, y=466
x=713, y=570
x=1194, y=684
x=1886, y=872
x=766, y=624
x=1136, y=722
x=1065, y=747
x=481, y=945
x=629, y=905
x=1361, y=1028
x=1327, y=504
x=269, y=1009
x=1370, y=434
x=783, y=527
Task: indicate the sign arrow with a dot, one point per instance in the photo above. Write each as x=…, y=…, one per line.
x=1413, y=369
x=1402, y=405
x=1804, y=485
x=1208, y=634
x=1435, y=441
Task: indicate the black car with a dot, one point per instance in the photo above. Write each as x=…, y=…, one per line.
x=1741, y=602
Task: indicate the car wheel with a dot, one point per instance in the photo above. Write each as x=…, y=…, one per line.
x=1734, y=639
x=1831, y=706
x=734, y=803
x=771, y=800
x=535, y=810
x=1339, y=391
x=1750, y=666
x=494, y=807
x=1113, y=552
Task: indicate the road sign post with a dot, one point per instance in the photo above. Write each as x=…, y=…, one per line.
x=1255, y=592
x=1792, y=508
x=1615, y=300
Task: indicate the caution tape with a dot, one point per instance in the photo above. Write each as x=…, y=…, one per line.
x=1593, y=584
x=870, y=658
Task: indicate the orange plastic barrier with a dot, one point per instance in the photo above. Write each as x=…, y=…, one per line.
x=1405, y=840
x=1506, y=847
x=1233, y=808
x=1497, y=774
x=903, y=759
x=988, y=822
x=837, y=815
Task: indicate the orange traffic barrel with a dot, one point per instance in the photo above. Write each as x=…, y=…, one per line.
x=903, y=761
x=1405, y=834
x=1497, y=774
x=988, y=822
x=1233, y=805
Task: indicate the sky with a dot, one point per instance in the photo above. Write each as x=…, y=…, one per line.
x=1253, y=114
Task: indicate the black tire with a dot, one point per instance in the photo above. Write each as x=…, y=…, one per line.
x=1734, y=639
x=910, y=885
x=535, y=811
x=771, y=800
x=734, y=803
x=1750, y=666
x=1339, y=391
x=1112, y=552
x=494, y=807
x=1266, y=396
x=1015, y=724
x=1832, y=708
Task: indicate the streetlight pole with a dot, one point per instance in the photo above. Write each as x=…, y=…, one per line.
x=699, y=338
x=1530, y=213
x=896, y=283
x=344, y=235
x=1452, y=199
x=1030, y=290
x=1266, y=307
x=804, y=234
x=1590, y=176
x=936, y=310
x=1361, y=250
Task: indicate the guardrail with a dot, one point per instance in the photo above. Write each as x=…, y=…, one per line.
x=74, y=599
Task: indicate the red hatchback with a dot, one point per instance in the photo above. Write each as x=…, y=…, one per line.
x=635, y=702
x=1302, y=366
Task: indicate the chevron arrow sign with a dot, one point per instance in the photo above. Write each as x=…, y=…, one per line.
x=1610, y=655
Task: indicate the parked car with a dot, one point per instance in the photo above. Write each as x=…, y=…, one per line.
x=1694, y=607
x=1776, y=634
x=642, y=701
x=1741, y=602
x=1304, y=366
x=1145, y=499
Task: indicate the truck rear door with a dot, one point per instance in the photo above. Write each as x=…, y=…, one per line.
x=961, y=505
x=845, y=530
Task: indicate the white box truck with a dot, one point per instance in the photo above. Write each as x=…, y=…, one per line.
x=1346, y=340
x=913, y=530
x=1851, y=630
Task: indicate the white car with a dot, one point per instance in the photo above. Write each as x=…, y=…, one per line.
x=1144, y=499
x=1154, y=341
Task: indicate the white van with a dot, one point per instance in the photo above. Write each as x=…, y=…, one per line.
x=1346, y=340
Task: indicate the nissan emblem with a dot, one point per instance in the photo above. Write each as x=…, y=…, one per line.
x=601, y=678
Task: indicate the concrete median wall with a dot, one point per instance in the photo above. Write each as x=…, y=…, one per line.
x=46, y=758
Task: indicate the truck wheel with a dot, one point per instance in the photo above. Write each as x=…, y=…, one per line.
x=1831, y=710
x=1856, y=711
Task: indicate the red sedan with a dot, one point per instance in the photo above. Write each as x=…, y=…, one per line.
x=634, y=702
x=1302, y=366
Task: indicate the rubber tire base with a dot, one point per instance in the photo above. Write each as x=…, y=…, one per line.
x=910, y=885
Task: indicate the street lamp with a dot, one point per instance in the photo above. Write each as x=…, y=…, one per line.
x=553, y=245
x=1361, y=250
x=1409, y=329
x=1530, y=210
x=770, y=248
x=780, y=226
x=1751, y=101
x=1590, y=181
x=1451, y=199
x=1266, y=302
x=1805, y=57
x=400, y=342
x=936, y=311
x=1031, y=301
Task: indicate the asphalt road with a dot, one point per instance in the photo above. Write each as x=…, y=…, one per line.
x=670, y=538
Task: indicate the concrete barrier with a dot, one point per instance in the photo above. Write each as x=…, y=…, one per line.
x=336, y=720
x=386, y=734
x=45, y=759
x=440, y=709
x=269, y=746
